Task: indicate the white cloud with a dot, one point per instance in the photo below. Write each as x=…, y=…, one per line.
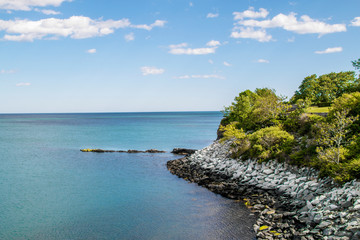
x=330, y=50
x=227, y=64
x=250, y=13
x=47, y=11
x=26, y=5
x=180, y=49
x=263, y=61
x=201, y=76
x=151, y=70
x=23, y=84
x=192, y=51
x=259, y=35
x=180, y=45
x=3, y=71
x=191, y=4
x=212, y=15
x=213, y=43
x=292, y=39
x=129, y=37
x=77, y=27
x=93, y=50
x=356, y=22
x=305, y=25
x=157, y=23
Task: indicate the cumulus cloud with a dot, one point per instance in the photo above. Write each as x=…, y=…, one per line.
x=23, y=84
x=305, y=25
x=213, y=43
x=330, y=50
x=47, y=11
x=157, y=23
x=93, y=50
x=183, y=49
x=77, y=27
x=356, y=22
x=227, y=64
x=250, y=13
x=129, y=37
x=259, y=35
x=263, y=61
x=212, y=15
x=200, y=76
x=27, y=5
x=151, y=70
x=247, y=26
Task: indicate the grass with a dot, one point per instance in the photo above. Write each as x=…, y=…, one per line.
x=317, y=110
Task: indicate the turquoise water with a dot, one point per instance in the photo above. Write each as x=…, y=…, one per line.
x=51, y=190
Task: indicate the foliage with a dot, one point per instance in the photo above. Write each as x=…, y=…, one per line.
x=322, y=90
x=263, y=127
x=254, y=110
x=270, y=143
x=332, y=137
x=356, y=64
x=317, y=110
x=241, y=108
x=351, y=102
x=241, y=142
x=231, y=132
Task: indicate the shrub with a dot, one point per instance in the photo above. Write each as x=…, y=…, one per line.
x=270, y=143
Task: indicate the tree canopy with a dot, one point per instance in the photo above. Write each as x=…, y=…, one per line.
x=323, y=90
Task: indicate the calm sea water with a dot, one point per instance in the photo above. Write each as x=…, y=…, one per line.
x=51, y=190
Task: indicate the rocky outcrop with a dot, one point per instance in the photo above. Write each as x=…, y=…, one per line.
x=128, y=151
x=183, y=151
x=291, y=202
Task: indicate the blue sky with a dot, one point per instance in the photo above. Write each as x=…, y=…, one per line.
x=166, y=55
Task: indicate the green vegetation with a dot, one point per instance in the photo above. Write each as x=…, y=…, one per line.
x=265, y=127
x=323, y=90
x=317, y=110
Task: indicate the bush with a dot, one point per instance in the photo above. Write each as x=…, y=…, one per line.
x=270, y=143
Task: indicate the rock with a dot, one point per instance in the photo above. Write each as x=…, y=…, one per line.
x=324, y=224
x=154, y=151
x=128, y=151
x=281, y=195
x=268, y=171
x=183, y=151
x=318, y=218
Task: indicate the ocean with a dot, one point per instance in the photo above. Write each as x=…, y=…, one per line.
x=49, y=189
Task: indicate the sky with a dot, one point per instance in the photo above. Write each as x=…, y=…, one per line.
x=59, y=56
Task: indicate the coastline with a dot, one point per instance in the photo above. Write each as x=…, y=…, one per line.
x=290, y=202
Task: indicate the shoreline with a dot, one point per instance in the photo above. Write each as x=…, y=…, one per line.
x=290, y=202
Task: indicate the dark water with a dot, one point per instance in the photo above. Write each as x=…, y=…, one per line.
x=51, y=190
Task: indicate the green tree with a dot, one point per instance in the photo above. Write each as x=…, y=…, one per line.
x=239, y=111
x=323, y=90
x=254, y=110
x=332, y=137
x=356, y=64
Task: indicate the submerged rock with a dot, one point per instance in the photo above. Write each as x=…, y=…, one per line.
x=122, y=151
x=183, y=151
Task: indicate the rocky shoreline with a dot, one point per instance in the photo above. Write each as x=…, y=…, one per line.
x=290, y=202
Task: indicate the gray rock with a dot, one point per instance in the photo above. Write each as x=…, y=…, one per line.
x=318, y=217
x=268, y=171
x=324, y=224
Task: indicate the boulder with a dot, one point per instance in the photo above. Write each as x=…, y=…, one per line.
x=183, y=151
